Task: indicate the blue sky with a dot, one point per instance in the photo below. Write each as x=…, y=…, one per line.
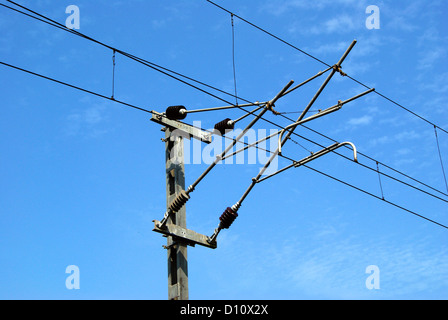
x=83, y=177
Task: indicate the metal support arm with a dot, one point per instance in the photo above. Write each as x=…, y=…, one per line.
x=172, y=208
x=312, y=157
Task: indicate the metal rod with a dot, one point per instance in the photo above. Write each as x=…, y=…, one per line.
x=248, y=113
x=213, y=237
x=346, y=53
x=313, y=157
x=315, y=116
x=237, y=205
x=306, y=81
x=219, y=157
x=310, y=104
x=358, y=96
x=327, y=80
x=277, y=172
x=281, y=132
x=281, y=93
x=222, y=108
x=295, y=124
x=332, y=109
x=250, y=145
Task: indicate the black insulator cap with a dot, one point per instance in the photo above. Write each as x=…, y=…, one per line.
x=173, y=113
x=222, y=126
x=227, y=218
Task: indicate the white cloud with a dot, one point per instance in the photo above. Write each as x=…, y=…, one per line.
x=431, y=56
x=326, y=48
x=396, y=138
x=338, y=24
x=279, y=7
x=86, y=122
x=437, y=84
x=337, y=268
x=343, y=23
x=364, y=120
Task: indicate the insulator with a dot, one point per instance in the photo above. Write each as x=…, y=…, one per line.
x=179, y=201
x=224, y=125
x=227, y=218
x=174, y=113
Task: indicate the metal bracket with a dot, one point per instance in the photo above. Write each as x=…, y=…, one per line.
x=183, y=235
x=192, y=131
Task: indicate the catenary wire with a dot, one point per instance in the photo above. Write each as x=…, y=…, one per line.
x=233, y=59
x=285, y=157
x=440, y=157
x=165, y=70
x=324, y=63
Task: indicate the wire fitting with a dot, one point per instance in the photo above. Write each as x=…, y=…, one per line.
x=270, y=106
x=338, y=68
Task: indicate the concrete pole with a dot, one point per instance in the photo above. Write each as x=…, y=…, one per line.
x=177, y=252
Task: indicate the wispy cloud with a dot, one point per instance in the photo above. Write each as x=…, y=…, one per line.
x=337, y=269
x=339, y=24
x=395, y=138
x=279, y=7
x=87, y=122
x=437, y=84
x=364, y=120
x=432, y=56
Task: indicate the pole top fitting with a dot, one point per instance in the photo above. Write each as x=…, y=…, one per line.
x=338, y=68
x=270, y=106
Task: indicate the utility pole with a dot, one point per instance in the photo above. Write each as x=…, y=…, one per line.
x=173, y=223
x=175, y=228
x=175, y=184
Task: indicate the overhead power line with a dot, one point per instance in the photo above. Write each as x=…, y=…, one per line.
x=440, y=157
x=324, y=63
x=166, y=71
x=125, y=54
x=233, y=58
x=257, y=147
x=377, y=197
x=173, y=74
x=173, y=225
x=74, y=87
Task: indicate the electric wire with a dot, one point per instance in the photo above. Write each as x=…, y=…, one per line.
x=377, y=197
x=152, y=65
x=165, y=71
x=324, y=63
x=440, y=156
x=233, y=58
x=113, y=75
x=162, y=69
x=382, y=163
x=379, y=172
x=130, y=56
x=74, y=87
x=379, y=179
x=149, y=64
x=257, y=147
